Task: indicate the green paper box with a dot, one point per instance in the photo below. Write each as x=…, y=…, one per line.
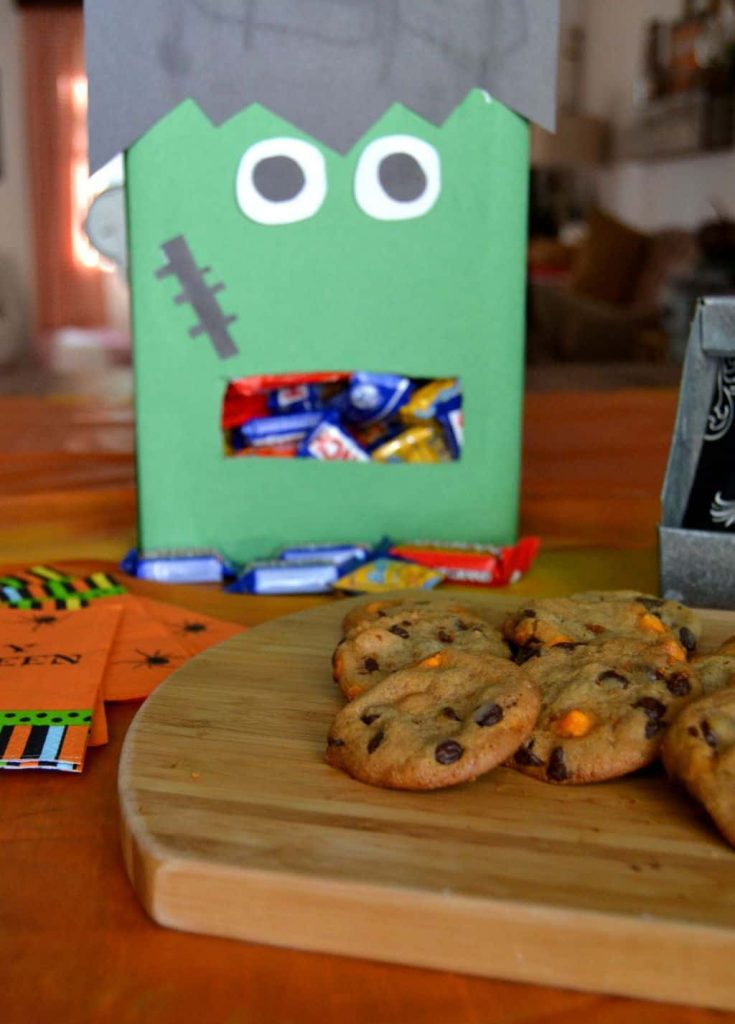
x=311, y=188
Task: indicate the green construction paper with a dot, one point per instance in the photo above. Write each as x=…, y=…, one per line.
x=438, y=296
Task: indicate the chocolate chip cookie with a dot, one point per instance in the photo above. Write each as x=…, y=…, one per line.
x=699, y=749
x=717, y=670
x=605, y=707
x=682, y=621
x=369, y=654
x=443, y=721
x=372, y=612
x=565, y=621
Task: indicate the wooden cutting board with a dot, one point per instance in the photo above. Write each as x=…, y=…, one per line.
x=233, y=825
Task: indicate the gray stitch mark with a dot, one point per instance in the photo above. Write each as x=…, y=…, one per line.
x=199, y=295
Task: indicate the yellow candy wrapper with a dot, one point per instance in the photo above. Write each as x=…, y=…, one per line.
x=424, y=402
x=423, y=443
x=385, y=574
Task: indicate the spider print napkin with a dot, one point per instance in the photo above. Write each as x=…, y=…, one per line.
x=51, y=669
x=154, y=639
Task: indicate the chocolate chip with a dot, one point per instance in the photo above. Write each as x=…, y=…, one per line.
x=678, y=685
x=693, y=730
x=653, y=708
x=688, y=639
x=488, y=714
x=451, y=713
x=650, y=603
x=444, y=637
x=335, y=743
x=710, y=737
x=594, y=628
x=368, y=719
x=380, y=614
x=653, y=727
x=525, y=654
x=557, y=769
x=370, y=665
x=526, y=756
x=613, y=675
x=375, y=741
x=461, y=626
x=448, y=752
x=399, y=631
x=528, y=613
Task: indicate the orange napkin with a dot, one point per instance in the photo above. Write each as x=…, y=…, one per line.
x=154, y=639
x=51, y=668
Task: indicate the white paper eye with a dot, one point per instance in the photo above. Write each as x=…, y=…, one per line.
x=398, y=177
x=281, y=181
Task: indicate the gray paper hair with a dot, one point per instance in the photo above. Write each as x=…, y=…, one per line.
x=331, y=67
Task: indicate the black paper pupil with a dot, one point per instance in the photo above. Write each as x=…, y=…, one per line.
x=278, y=178
x=402, y=177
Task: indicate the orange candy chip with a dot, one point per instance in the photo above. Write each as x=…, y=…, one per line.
x=573, y=724
x=433, y=661
x=652, y=623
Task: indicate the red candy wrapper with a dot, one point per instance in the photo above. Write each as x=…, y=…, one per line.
x=247, y=398
x=478, y=565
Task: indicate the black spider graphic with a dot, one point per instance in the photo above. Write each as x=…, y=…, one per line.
x=155, y=660
x=191, y=627
x=43, y=620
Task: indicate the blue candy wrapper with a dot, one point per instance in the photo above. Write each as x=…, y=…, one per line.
x=296, y=399
x=375, y=396
x=328, y=442
x=273, y=430
x=338, y=554
x=284, y=577
x=178, y=566
x=449, y=417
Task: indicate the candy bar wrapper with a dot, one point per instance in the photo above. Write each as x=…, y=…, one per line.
x=450, y=417
x=385, y=574
x=329, y=442
x=299, y=398
x=178, y=566
x=338, y=554
x=425, y=402
x=275, y=430
x=376, y=396
x=248, y=398
x=419, y=443
x=479, y=565
x=284, y=577
x=51, y=671
x=272, y=451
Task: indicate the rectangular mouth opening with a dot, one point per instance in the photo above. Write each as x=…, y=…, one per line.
x=344, y=417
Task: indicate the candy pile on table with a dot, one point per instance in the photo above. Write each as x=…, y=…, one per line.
x=348, y=568
x=352, y=417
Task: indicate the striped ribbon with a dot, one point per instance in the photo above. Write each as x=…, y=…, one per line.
x=44, y=739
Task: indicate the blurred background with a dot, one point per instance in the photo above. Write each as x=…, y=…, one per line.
x=632, y=210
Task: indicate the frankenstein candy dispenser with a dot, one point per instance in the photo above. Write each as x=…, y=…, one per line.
x=326, y=206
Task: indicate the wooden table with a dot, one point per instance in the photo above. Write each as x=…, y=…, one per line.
x=77, y=945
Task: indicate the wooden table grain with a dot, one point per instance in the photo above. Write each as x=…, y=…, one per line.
x=77, y=945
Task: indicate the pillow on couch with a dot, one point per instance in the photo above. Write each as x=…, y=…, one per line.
x=609, y=260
